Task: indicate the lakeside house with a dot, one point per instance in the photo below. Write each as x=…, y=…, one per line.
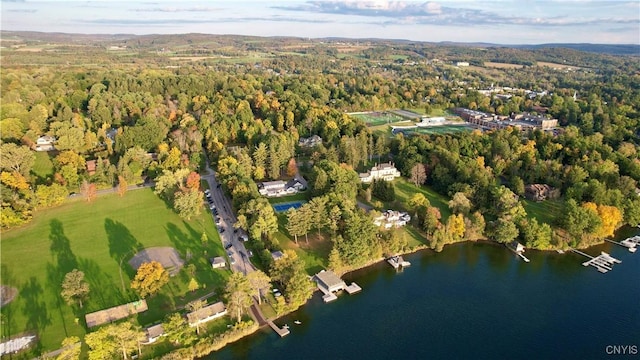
x=310, y=142
x=280, y=188
x=391, y=218
x=153, y=333
x=329, y=283
x=45, y=143
x=540, y=192
x=218, y=262
x=386, y=172
x=206, y=314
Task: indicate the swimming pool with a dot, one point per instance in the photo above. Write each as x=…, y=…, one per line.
x=282, y=207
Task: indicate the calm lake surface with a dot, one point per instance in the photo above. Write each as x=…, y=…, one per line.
x=471, y=301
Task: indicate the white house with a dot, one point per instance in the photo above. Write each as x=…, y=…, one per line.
x=386, y=172
x=272, y=188
x=462, y=63
x=310, y=141
x=280, y=188
x=153, y=333
x=45, y=143
x=206, y=314
x=391, y=218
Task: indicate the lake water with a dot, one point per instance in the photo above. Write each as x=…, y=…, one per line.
x=471, y=301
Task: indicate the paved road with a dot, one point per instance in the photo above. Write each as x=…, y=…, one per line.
x=227, y=219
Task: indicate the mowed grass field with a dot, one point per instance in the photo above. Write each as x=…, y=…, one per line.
x=98, y=238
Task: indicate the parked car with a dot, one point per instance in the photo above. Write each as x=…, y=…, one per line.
x=207, y=192
x=226, y=247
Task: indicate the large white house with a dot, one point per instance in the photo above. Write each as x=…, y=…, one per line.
x=280, y=188
x=391, y=218
x=386, y=172
x=45, y=143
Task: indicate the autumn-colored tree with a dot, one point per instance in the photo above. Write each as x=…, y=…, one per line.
x=193, y=285
x=610, y=216
x=151, y=276
x=292, y=168
x=193, y=181
x=70, y=350
x=88, y=190
x=177, y=330
x=14, y=180
x=418, y=174
x=259, y=282
x=108, y=341
x=238, y=294
x=74, y=287
x=122, y=185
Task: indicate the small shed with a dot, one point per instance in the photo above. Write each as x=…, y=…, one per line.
x=277, y=255
x=218, y=262
x=153, y=333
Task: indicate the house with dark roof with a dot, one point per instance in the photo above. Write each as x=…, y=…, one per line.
x=153, y=333
x=280, y=188
x=540, y=192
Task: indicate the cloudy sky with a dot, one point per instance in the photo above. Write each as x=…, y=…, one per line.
x=497, y=21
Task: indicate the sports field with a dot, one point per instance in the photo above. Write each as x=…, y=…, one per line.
x=441, y=129
x=374, y=118
x=98, y=238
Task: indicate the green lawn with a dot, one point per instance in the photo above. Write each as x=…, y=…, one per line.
x=315, y=254
x=302, y=196
x=98, y=238
x=405, y=190
x=43, y=166
x=545, y=211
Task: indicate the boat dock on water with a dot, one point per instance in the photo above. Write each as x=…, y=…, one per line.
x=603, y=262
x=628, y=243
x=518, y=249
x=398, y=262
x=329, y=283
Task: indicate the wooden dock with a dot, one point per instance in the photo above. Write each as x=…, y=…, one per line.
x=397, y=262
x=603, y=262
x=627, y=243
x=284, y=331
x=353, y=288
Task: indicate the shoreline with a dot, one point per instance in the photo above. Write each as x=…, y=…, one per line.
x=416, y=249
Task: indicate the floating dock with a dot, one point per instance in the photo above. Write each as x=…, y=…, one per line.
x=628, y=243
x=284, y=331
x=603, y=262
x=353, y=288
x=397, y=262
x=517, y=249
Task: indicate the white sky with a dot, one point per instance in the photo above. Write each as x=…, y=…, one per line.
x=497, y=21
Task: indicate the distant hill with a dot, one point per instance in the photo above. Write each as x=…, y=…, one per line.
x=612, y=49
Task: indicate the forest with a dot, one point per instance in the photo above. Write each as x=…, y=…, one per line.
x=157, y=108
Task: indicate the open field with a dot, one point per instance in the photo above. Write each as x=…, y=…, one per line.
x=375, y=118
x=556, y=65
x=43, y=166
x=498, y=65
x=405, y=190
x=99, y=238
